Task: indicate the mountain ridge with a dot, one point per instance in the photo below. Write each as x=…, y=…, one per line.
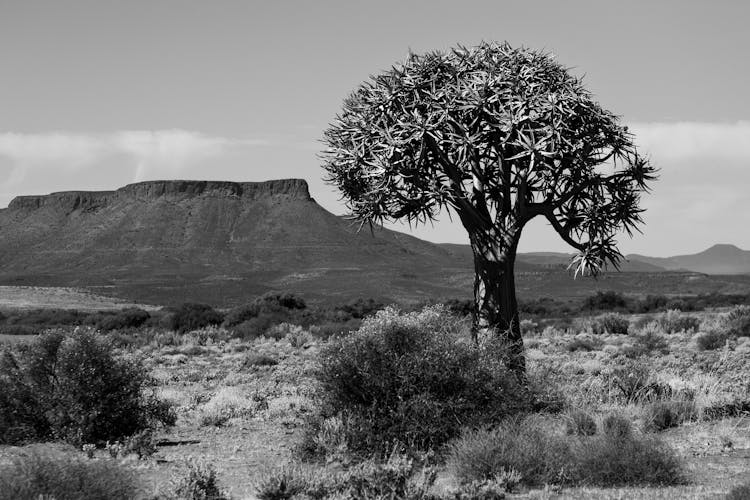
x=222, y=242
x=722, y=258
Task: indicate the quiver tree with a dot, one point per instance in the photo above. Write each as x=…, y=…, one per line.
x=500, y=136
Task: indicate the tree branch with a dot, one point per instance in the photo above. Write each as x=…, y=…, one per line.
x=565, y=235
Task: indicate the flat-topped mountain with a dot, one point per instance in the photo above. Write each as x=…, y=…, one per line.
x=161, y=237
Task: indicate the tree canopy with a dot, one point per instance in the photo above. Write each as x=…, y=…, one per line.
x=498, y=134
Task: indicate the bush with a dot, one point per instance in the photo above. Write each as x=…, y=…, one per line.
x=674, y=321
x=737, y=322
x=652, y=303
x=711, y=340
x=258, y=326
x=616, y=427
x=360, y=308
x=200, y=483
x=19, y=330
x=461, y=307
x=412, y=378
x=37, y=473
x=628, y=461
x=520, y=445
x=329, y=329
x=632, y=382
x=127, y=318
x=75, y=388
x=649, y=341
x=739, y=492
x=662, y=415
x=610, y=323
x=285, y=483
x=734, y=408
x=542, y=457
x=278, y=305
x=396, y=478
x=254, y=359
x=608, y=301
x=299, y=338
x=582, y=344
x=48, y=318
x=191, y=316
x=226, y=404
x=580, y=423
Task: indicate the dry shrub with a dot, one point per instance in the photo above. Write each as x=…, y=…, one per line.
x=254, y=359
x=580, y=423
x=522, y=445
x=583, y=344
x=415, y=379
x=396, y=478
x=200, y=483
x=36, y=472
x=542, y=456
x=711, y=340
x=226, y=404
x=190, y=316
x=739, y=492
x=612, y=323
x=674, y=321
x=75, y=388
x=737, y=321
x=662, y=415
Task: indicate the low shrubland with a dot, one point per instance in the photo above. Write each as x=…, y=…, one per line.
x=26, y=322
x=384, y=409
x=74, y=387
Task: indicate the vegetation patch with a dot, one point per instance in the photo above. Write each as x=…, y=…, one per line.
x=39, y=473
x=74, y=387
x=617, y=457
x=413, y=378
x=610, y=323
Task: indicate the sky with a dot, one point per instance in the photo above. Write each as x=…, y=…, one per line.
x=98, y=94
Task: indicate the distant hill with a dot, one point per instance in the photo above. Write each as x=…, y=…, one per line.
x=719, y=259
x=536, y=261
x=166, y=242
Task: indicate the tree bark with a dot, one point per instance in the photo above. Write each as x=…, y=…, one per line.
x=495, y=304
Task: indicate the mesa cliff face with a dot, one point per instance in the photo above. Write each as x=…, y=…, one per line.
x=217, y=241
x=68, y=201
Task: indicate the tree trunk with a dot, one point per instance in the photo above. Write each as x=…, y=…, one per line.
x=495, y=305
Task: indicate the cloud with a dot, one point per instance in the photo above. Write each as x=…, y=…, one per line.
x=70, y=151
x=699, y=157
x=141, y=153
x=694, y=140
x=167, y=151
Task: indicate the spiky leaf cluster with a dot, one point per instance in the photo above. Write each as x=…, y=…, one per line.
x=496, y=133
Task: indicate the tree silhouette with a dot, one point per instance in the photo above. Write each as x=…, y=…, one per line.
x=500, y=135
